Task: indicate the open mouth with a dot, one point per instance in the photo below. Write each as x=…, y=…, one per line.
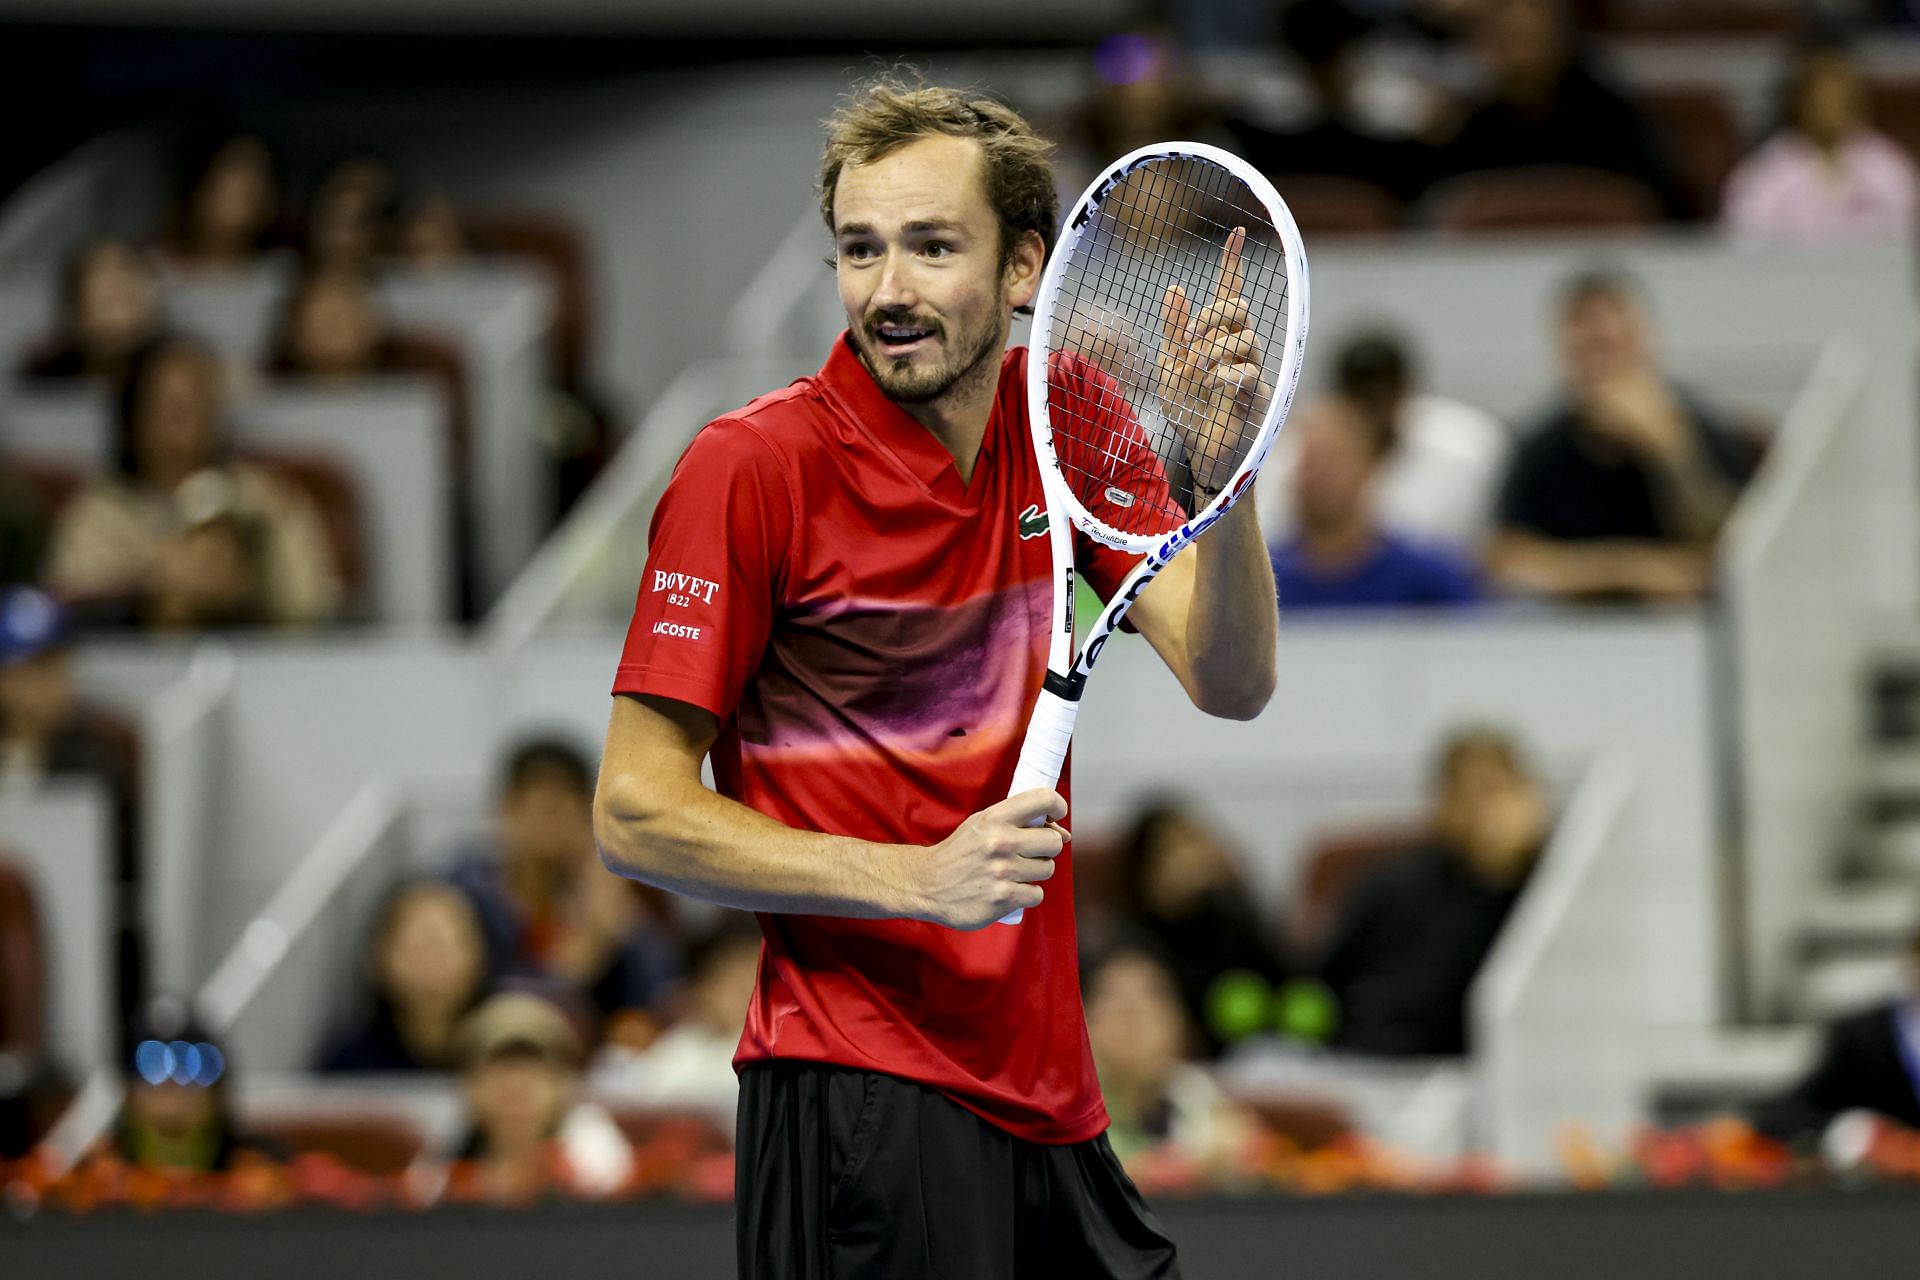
x=901, y=339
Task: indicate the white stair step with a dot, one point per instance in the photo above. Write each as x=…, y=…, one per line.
x=1874, y=911
x=1838, y=985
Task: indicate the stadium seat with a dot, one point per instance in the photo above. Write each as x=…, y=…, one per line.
x=1895, y=104
x=53, y=482
x=332, y=490
x=1663, y=19
x=1329, y=204
x=1699, y=126
x=22, y=965
x=1335, y=862
x=1542, y=198
x=375, y=1144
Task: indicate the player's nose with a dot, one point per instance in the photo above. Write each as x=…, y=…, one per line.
x=895, y=287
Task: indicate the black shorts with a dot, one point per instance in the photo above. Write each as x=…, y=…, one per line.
x=855, y=1175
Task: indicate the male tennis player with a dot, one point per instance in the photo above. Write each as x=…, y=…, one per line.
x=845, y=606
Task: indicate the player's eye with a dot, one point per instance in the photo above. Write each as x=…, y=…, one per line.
x=857, y=251
x=937, y=249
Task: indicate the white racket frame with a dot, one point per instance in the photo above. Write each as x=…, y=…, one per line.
x=1050, y=728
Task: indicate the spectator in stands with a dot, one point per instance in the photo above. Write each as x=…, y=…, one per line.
x=181, y=534
x=428, y=964
x=1414, y=933
x=1143, y=89
x=1827, y=176
x=431, y=238
x=350, y=220
x=1870, y=1061
x=1142, y=1042
x=331, y=328
x=177, y=1115
x=229, y=214
x=528, y=1133
x=1340, y=136
x=109, y=311
x=46, y=730
x=23, y=528
x=690, y=1066
x=547, y=906
x=1620, y=491
x=1340, y=555
x=1179, y=887
x=1548, y=105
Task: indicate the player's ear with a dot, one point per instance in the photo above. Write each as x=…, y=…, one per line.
x=1022, y=274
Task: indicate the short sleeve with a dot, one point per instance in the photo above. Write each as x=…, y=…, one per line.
x=717, y=552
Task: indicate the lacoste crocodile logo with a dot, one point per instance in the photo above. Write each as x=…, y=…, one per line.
x=1033, y=521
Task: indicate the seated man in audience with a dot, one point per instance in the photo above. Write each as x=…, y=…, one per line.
x=1548, y=105
x=109, y=310
x=1339, y=555
x=690, y=1066
x=1620, y=492
x=429, y=970
x=1413, y=935
x=1870, y=1061
x=180, y=533
x=529, y=1135
x=1438, y=482
x=547, y=906
x=1142, y=1041
x=47, y=731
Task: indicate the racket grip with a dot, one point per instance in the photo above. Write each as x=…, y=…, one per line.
x=1044, y=753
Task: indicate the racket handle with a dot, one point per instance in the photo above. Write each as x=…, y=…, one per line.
x=1044, y=753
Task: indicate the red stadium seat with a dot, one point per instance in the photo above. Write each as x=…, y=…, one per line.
x=1700, y=130
x=1895, y=106
x=1540, y=198
x=555, y=245
x=22, y=965
x=332, y=490
x=1329, y=204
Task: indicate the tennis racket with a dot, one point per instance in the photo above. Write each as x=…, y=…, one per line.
x=1166, y=345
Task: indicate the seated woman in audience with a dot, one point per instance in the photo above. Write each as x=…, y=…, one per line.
x=528, y=1133
x=178, y=532
x=1828, y=176
x=229, y=214
x=109, y=311
x=1179, y=887
x=429, y=969
x=690, y=1065
x=1156, y=1095
x=331, y=328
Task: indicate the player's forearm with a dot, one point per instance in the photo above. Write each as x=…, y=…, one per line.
x=1232, y=619
x=686, y=839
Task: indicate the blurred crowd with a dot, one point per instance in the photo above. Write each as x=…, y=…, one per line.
x=179, y=527
x=571, y=1010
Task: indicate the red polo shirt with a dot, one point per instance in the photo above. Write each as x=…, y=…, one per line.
x=872, y=633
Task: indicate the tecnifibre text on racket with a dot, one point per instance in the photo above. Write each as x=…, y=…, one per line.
x=1167, y=339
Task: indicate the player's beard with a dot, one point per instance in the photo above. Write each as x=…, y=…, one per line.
x=972, y=355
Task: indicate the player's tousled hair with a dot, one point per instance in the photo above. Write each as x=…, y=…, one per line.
x=887, y=112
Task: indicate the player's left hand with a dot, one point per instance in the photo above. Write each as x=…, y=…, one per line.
x=1212, y=383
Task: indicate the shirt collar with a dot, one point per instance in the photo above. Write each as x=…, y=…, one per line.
x=853, y=389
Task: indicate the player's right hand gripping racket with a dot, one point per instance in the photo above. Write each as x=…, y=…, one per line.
x=1167, y=340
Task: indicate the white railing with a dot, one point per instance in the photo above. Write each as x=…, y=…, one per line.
x=280, y=987
x=1557, y=1012
x=185, y=760
x=1799, y=606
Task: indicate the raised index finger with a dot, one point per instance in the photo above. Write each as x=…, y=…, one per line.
x=1232, y=274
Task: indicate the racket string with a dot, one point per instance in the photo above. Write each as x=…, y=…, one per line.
x=1125, y=440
